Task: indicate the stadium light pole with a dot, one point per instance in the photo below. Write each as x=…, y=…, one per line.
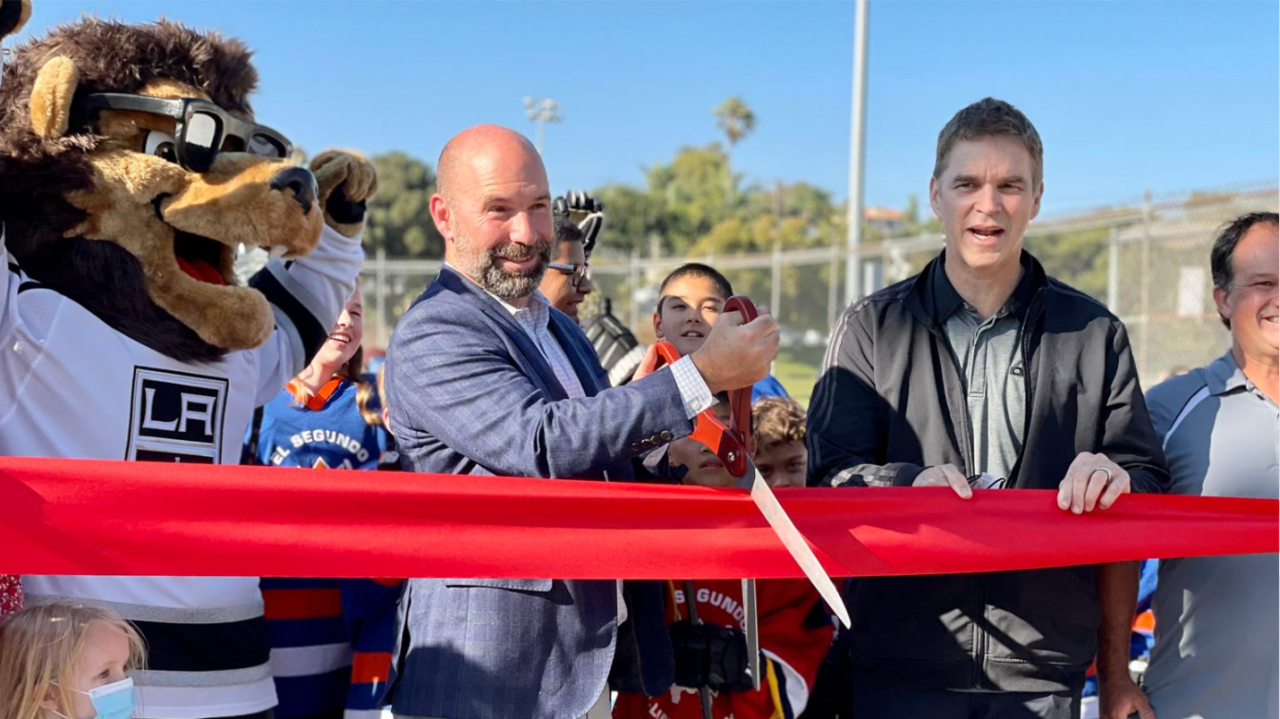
x=857, y=143
x=541, y=110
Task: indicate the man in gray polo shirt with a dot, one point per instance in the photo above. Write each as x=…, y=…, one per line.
x=1216, y=623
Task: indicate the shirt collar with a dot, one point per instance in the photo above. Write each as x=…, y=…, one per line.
x=946, y=300
x=1224, y=375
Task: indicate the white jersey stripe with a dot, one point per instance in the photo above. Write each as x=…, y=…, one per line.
x=311, y=660
x=1187, y=408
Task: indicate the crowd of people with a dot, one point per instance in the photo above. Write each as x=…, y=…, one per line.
x=980, y=372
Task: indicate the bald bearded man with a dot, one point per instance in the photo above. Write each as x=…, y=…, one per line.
x=485, y=378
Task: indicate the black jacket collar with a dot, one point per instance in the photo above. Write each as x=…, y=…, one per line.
x=933, y=297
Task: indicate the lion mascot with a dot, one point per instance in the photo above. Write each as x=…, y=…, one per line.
x=133, y=169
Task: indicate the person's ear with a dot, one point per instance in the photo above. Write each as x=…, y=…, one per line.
x=657, y=322
x=442, y=216
x=1035, y=208
x=1221, y=298
x=935, y=200
x=50, y=703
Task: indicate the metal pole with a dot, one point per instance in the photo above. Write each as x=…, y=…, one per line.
x=857, y=141
x=1113, y=271
x=833, y=291
x=1144, y=349
x=704, y=692
x=633, y=282
x=380, y=301
x=775, y=291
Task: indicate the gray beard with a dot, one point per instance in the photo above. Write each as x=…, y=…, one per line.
x=482, y=267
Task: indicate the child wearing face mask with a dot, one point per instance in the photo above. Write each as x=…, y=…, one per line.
x=67, y=661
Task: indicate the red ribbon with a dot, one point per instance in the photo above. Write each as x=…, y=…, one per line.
x=98, y=517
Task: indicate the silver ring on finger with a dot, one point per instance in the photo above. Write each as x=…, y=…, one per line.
x=1102, y=469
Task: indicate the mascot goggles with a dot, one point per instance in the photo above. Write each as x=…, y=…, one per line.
x=203, y=129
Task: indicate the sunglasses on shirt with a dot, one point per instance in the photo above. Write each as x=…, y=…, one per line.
x=577, y=272
x=203, y=129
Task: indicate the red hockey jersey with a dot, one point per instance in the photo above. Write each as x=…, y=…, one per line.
x=795, y=634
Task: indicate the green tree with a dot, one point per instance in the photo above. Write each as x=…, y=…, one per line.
x=1078, y=258
x=633, y=216
x=691, y=194
x=736, y=120
x=399, y=218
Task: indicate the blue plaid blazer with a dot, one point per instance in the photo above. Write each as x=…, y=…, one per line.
x=469, y=393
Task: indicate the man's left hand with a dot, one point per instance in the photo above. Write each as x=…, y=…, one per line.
x=1121, y=698
x=1092, y=481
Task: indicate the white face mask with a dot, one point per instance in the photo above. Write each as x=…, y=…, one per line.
x=111, y=701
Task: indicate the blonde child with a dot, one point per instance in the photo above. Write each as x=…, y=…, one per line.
x=67, y=661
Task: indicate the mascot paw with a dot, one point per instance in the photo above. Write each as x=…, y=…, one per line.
x=13, y=15
x=347, y=181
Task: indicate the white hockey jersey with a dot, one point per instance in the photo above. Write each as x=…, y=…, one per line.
x=72, y=386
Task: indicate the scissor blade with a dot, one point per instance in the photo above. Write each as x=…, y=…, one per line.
x=796, y=545
x=752, y=615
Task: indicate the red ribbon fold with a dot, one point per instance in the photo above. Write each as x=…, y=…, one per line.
x=104, y=517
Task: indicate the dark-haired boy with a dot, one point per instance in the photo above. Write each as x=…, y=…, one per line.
x=690, y=300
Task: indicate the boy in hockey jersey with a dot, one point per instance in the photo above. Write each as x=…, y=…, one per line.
x=795, y=632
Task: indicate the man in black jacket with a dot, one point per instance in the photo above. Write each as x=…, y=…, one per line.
x=983, y=372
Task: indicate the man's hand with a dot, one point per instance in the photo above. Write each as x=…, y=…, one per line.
x=1092, y=481
x=737, y=355
x=944, y=475
x=347, y=181
x=1120, y=698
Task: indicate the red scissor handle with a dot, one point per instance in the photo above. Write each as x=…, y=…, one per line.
x=729, y=443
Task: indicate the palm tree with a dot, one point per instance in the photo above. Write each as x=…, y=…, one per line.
x=736, y=120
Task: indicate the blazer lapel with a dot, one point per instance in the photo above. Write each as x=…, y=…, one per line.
x=561, y=328
x=528, y=353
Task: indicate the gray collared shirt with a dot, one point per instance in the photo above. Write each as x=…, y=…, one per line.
x=991, y=368
x=1216, y=620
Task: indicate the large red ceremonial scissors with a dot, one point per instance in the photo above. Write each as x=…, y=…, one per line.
x=729, y=443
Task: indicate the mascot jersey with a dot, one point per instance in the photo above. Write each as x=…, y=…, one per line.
x=206, y=636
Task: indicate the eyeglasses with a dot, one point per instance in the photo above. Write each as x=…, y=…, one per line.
x=203, y=128
x=577, y=272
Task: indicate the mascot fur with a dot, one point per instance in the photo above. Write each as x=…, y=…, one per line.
x=133, y=168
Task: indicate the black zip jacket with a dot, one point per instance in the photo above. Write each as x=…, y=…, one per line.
x=891, y=402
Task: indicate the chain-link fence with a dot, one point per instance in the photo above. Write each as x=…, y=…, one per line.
x=1147, y=260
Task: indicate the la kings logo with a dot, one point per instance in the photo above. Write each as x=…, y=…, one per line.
x=176, y=417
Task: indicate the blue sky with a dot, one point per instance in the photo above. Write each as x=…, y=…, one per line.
x=1127, y=95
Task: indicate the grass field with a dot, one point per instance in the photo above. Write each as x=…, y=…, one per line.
x=797, y=369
